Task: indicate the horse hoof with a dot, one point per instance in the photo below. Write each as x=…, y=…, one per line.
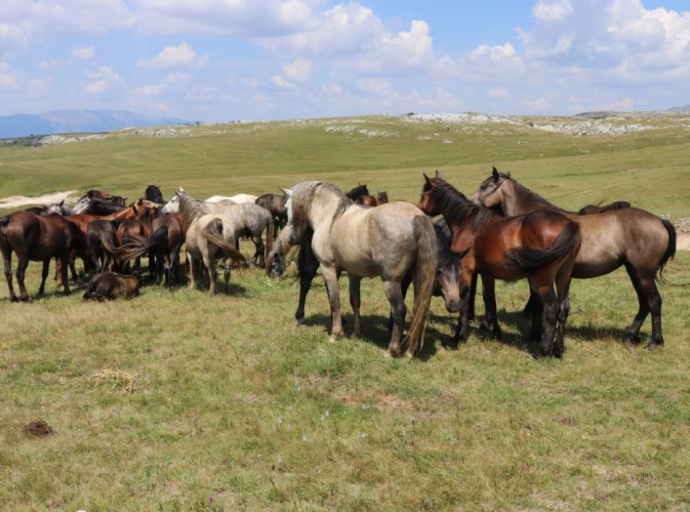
x=392, y=354
x=538, y=355
x=14, y=299
x=633, y=340
x=26, y=300
x=654, y=345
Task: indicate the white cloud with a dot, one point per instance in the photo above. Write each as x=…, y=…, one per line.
x=102, y=80
x=177, y=77
x=83, y=53
x=150, y=90
x=298, y=70
x=180, y=56
x=8, y=77
x=282, y=83
x=498, y=93
x=549, y=10
x=375, y=87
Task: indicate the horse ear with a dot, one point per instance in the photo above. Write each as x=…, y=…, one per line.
x=62, y=202
x=181, y=190
x=286, y=191
x=438, y=174
x=508, y=174
x=494, y=173
x=428, y=180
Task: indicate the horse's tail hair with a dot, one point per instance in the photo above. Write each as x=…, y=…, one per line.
x=526, y=261
x=212, y=232
x=270, y=233
x=424, y=279
x=137, y=246
x=670, y=249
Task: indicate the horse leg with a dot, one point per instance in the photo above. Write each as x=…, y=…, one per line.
x=395, y=296
x=22, y=264
x=355, y=289
x=73, y=268
x=330, y=276
x=544, y=288
x=405, y=285
x=633, y=331
x=65, y=263
x=259, y=254
x=654, y=304
x=226, y=274
x=7, y=260
x=192, y=272
x=462, y=330
x=44, y=276
x=532, y=303
x=473, y=295
x=308, y=265
x=563, y=281
x=212, y=274
x=490, y=317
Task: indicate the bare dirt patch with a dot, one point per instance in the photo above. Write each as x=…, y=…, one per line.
x=683, y=242
x=47, y=199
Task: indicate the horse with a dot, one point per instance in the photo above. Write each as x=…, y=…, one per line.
x=238, y=199
x=83, y=202
x=357, y=192
x=111, y=286
x=593, y=209
x=139, y=227
x=630, y=237
x=367, y=200
x=208, y=237
x=165, y=242
x=540, y=246
x=388, y=241
x=96, y=206
x=37, y=238
x=60, y=208
x=276, y=205
x=154, y=194
x=101, y=238
x=248, y=220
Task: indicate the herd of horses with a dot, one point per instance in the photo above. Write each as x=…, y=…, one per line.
x=503, y=231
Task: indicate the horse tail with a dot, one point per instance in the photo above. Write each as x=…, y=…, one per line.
x=270, y=233
x=670, y=249
x=212, y=233
x=137, y=246
x=424, y=278
x=525, y=261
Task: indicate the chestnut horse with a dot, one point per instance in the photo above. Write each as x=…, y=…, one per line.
x=367, y=200
x=541, y=247
x=637, y=239
x=37, y=238
x=388, y=241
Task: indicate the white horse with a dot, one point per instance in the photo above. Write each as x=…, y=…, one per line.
x=387, y=241
x=238, y=198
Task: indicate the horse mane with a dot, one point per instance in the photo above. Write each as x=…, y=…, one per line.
x=303, y=195
x=592, y=209
x=190, y=208
x=446, y=257
x=153, y=193
x=456, y=207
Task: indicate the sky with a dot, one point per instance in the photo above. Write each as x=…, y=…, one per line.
x=223, y=60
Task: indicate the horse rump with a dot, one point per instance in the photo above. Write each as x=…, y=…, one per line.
x=213, y=232
x=526, y=261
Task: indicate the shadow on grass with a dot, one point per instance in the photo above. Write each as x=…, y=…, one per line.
x=375, y=331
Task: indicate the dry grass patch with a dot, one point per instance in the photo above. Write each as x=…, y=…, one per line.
x=119, y=382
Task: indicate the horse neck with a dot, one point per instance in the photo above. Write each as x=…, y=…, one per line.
x=127, y=213
x=323, y=208
x=516, y=200
x=466, y=223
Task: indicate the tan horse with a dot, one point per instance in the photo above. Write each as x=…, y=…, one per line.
x=208, y=238
x=629, y=236
x=386, y=241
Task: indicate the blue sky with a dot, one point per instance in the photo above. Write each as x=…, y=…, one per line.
x=218, y=60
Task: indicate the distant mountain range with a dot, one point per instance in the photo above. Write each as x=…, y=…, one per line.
x=76, y=121
x=682, y=108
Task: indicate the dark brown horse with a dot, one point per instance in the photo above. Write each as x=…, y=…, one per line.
x=357, y=192
x=84, y=201
x=276, y=205
x=165, y=242
x=630, y=237
x=140, y=227
x=541, y=247
x=101, y=237
x=37, y=238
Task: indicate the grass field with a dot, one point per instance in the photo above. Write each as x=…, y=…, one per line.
x=181, y=401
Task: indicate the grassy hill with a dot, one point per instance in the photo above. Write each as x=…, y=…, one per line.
x=183, y=401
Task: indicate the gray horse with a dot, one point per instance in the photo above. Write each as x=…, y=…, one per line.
x=248, y=220
x=387, y=241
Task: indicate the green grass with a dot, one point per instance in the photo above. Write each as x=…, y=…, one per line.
x=236, y=408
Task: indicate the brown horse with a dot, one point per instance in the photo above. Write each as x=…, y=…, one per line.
x=637, y=239
x=367, y=200
x=37, y=238
x=139, y=227
x=276, y=205
x=101, y=237
x=165, y=242
x=540, y=247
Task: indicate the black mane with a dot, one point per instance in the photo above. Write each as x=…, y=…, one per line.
x=154, y=194
x=456, y=207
